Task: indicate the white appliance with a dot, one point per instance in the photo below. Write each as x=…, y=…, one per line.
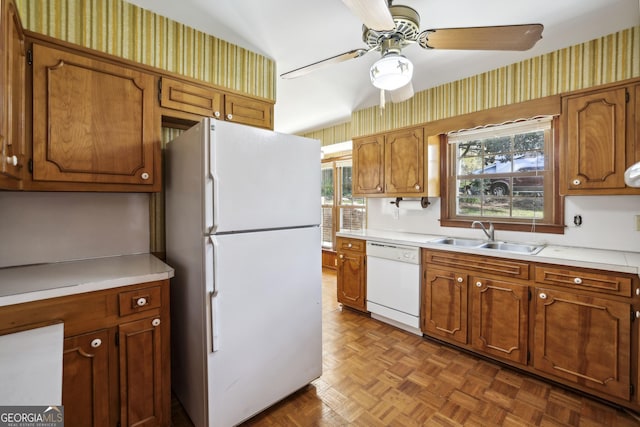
x=393, y=285
x=242, y=223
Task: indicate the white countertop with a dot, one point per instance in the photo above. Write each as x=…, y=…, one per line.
x=41, y=281
x=623, y=262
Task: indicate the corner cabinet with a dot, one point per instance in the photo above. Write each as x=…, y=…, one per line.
x=599, y=142
x=116, y=354
x=396, y=164
x=13, y=158
x=95, y=124
x=352, y=274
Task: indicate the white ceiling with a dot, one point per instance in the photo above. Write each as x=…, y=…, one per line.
x=295, y=33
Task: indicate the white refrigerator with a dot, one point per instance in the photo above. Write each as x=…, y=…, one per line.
x=242, y=233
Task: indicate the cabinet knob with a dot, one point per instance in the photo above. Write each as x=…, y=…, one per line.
x=217, y=114
x=140, y=302
x=417, y=187
x=577, y=182
x=229, y=116
x=349, y=245
x=155, y=322
x=144, y=175
x=577, y=281
x=543, y=295
x=340, y=256
x=96, y=343
x=459, y=279
x=637, y=314
x=379, y=188
x=12, y=160
x=638, y=291
x=479, y=284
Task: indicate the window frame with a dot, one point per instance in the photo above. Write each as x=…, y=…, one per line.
x=337, y=206
x=555, y=222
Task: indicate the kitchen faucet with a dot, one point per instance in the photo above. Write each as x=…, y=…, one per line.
x=490, y=234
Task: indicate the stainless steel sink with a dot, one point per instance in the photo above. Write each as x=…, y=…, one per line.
x=454, y=241
x=520, y=248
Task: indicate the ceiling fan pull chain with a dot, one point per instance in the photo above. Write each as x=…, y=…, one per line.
x=381, y=101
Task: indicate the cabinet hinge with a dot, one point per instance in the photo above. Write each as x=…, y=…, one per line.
x=117, y=339
x=528, y=352
x=626, y=96
x=160, y=90
x=529, y=293
x=29, y=57
x=30, y=165
x=632, y=389
x=633, y=315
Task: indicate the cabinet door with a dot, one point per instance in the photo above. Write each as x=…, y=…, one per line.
x=141, y=367
x=352, y=280
x=368, y=166
x=596, y=132
x=190, y=98
x=404, y=159
x=499, y=312
x=248, y=111
x=583, y=339
x=93, y=121
x=85, y=379
x=12, y=145
x=444, y=311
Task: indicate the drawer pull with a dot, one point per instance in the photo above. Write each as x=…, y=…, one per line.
x=479, y=284
x=577, y=281
x=12, y=160
x=140, y=302
x=349, y=245
x=155, y=322
x=459, y=279
x=340, y=256
x=96, y=343
x=543, y=295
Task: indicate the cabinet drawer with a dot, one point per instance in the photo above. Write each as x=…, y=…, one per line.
x=355, y=245
x=576, y=278
x=487, y=265
x=139, y=300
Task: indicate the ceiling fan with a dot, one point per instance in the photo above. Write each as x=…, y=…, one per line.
x=389, y=28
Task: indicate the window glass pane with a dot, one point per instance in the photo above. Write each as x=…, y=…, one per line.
x=346, y=185
x=327, y=190
x=326, y=227
x=352, y=218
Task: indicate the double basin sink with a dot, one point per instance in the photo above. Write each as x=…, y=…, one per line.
x=521, y=248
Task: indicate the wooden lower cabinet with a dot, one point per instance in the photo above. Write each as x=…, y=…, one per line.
x=85, y=386
x=352, y=273
x=444, y=308
x=116, y=357
x=584, y=339
x=499, y=318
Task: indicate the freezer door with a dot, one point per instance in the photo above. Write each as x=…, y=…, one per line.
x=265, y=337
x=260, y=179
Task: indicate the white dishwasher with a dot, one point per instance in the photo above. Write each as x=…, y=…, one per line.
x=393, y=285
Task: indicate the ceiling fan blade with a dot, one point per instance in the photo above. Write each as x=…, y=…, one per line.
x=507, y=37
x=374, y=14
x=356, y=53
x=402, y=94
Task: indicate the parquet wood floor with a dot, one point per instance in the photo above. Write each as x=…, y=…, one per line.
x=377, y=375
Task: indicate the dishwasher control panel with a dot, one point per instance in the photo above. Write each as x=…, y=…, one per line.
x=390, y=251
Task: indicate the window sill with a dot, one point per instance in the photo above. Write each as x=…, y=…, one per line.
x=509, y=226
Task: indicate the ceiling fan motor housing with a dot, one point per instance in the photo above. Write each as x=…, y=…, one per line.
x=406, y=30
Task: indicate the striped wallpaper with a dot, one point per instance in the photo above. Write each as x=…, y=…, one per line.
x=125, y=30
x=332, y=135
x=605, y=60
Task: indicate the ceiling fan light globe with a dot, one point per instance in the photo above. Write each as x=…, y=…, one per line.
x=391, y=72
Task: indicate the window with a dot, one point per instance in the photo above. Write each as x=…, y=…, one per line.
x=504, y=174
x=340, y=210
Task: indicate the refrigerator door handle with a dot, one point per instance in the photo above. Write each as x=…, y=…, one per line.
x=215, y=321
x=212, y=191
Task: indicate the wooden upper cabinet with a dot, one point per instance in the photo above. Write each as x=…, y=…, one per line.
x=599, y=143
x=13, y=158
x=368, y=165
x=190, y=98
x=182, y=100
x=240, y=109
x=94, y=122
x=404, y=162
